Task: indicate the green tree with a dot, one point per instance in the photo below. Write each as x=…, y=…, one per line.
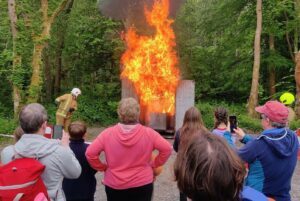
x=215, y=45
x=30, y=26
x=5, y=60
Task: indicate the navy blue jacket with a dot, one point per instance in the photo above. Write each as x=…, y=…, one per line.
x=84, y=187
x=272, y=158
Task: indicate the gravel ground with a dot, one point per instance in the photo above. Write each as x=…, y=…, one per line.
x=165, y=188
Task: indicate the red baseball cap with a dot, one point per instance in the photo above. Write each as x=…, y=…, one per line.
x=275, y=111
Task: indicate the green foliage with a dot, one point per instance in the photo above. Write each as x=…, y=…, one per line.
x=215, y=45
x=90, y=59
x=7, y=126
x=294, y=125
x=99, y=105
x=244, y=121
x=51, y=110
x=92, y=46
x=5, y=62
x=96, y=110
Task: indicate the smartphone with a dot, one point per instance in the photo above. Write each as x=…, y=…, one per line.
x=233, y=123
x=57, y=132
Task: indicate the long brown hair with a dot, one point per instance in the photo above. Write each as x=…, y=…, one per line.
x=209, y=170
x=192, y=122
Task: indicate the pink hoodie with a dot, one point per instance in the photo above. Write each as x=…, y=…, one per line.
x=128, y=155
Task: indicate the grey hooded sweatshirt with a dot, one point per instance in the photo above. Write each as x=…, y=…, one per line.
x=60, y=161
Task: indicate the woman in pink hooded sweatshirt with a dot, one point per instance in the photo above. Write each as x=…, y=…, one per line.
x=128, y=149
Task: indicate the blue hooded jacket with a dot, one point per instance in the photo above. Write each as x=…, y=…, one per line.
x=272, y=158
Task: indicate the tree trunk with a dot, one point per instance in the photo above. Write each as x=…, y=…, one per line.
x=17, y=60
x=253, y=98
x=36, y=81
x=48, y=76
x=297, y=61
x=297, y=79
x=58, y=66
x=59, y=51
x=297, y=29
x=272, y=74
x=39, y=45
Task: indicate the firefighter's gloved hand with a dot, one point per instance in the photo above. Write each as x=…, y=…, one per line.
x=71, y=110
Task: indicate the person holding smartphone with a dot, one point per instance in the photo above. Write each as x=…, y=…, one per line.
x=56, y=155
x=272, y=156
x=221, y=125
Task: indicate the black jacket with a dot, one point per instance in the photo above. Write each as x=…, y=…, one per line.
x=84, y=187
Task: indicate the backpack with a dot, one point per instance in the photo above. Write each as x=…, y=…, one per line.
x=20, y=180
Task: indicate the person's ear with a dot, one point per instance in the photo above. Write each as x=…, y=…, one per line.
x=44, y=125
x=268, y=121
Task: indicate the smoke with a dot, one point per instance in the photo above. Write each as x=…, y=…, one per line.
x=131, y=12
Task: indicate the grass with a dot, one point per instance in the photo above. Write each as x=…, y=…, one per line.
x=249, y=124
x=7, y=126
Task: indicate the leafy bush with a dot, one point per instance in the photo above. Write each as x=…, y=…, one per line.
x=244, y=121
x=295, y=124
x=92, y=111
x=249, y=124
x=7, y=126
x=51, y=110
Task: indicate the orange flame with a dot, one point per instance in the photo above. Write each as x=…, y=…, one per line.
x=150, y=63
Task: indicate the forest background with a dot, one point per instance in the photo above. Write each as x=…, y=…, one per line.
x=47, y=48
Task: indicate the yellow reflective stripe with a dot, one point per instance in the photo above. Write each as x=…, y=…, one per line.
x=61, y=114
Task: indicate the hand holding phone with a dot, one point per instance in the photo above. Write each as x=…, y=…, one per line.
x=233, y=123
x=65, y=140
x=240, y=133
x=57, y=132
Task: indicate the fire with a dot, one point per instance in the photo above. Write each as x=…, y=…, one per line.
x=150, y=62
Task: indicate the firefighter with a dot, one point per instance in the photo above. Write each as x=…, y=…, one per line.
x=67, y=105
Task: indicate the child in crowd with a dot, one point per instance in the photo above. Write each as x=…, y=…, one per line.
x=83, y=188
x=18, y=133
x=209, y=170
x=221, y=127
x=192, y=122
x=7, y=151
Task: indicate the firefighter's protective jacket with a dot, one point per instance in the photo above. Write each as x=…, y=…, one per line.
x=66, y=102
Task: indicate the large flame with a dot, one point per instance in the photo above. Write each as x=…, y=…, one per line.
x=150, y=63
